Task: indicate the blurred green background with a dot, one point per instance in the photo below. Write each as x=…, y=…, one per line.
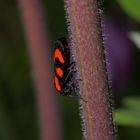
x=18, y=113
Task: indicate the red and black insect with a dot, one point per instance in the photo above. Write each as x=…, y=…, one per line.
x=64, y=68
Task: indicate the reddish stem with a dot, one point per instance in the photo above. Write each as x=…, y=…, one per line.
x=41, y=59
x=87, y=46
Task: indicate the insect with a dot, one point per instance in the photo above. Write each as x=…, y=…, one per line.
x=64, y=68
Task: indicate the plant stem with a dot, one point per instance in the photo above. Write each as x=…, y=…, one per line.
x=42, y=68
x=88, y=51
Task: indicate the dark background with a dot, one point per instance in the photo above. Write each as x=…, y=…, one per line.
x=18, y=110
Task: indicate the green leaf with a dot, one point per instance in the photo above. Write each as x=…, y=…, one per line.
x=135, y=37
x=131, y=7
x=132, y=103
x=129, y=115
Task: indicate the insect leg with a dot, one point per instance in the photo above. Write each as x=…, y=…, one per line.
x=72, y=65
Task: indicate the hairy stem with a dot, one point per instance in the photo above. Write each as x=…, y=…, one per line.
x=88, y=50
x=41, y=59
